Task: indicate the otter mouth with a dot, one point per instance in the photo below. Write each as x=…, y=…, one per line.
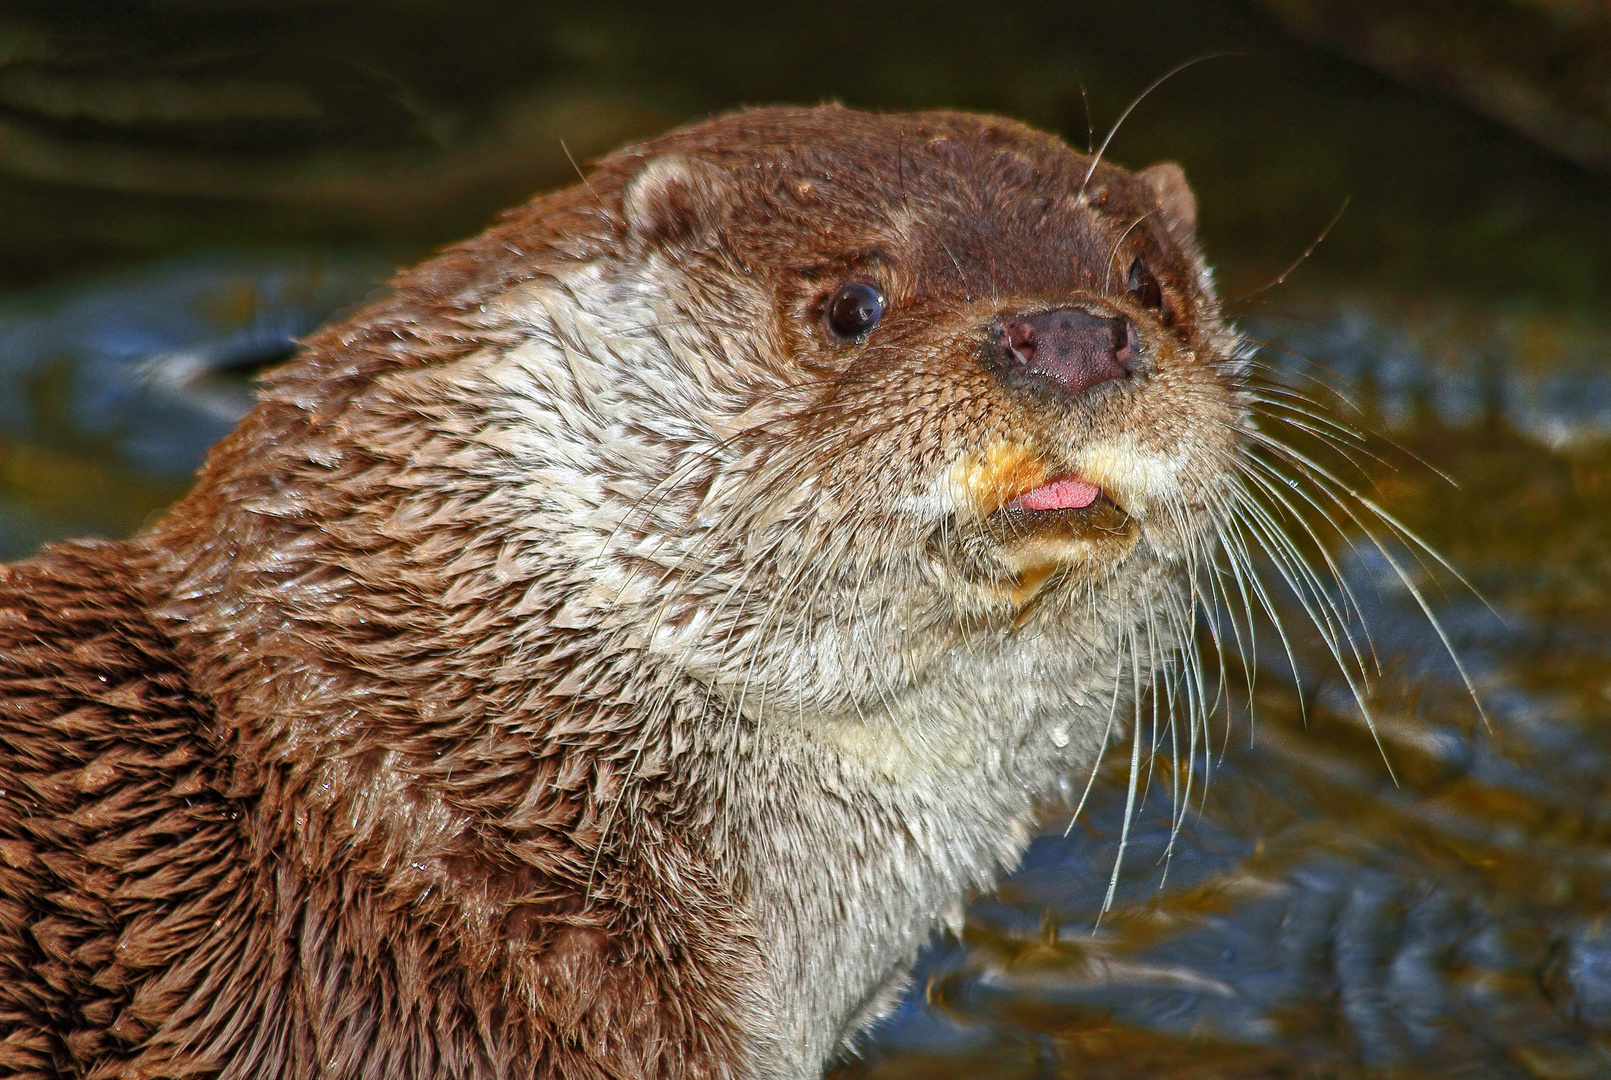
x=1061, y=526
x=1064, y=504
x=1030, y=523
x=1066, y=494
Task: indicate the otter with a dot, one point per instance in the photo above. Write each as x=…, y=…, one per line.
x=613, y=651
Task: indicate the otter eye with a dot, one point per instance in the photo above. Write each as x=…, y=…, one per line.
x=1144, y=287
x=853, y=310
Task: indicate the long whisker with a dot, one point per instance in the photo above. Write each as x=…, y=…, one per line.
x=1318, y=473
x=1137, y=100
x=1107, y=737
x=1294, y=575
x=1308, y=251
x=1135, y=775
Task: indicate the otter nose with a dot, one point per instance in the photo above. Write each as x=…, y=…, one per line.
x=1065, y=349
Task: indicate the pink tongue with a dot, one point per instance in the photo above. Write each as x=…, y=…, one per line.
x=1058, y=495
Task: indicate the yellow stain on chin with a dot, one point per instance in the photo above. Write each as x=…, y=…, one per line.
x=1030, y=580
x=1035, y=560
x=987, y=481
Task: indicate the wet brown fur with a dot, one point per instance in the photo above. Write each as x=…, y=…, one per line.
x=285, y=791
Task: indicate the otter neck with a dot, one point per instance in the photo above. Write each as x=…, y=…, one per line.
x=850, y=835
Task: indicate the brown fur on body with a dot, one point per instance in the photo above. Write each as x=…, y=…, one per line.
x=578, y=665
x=171, y=907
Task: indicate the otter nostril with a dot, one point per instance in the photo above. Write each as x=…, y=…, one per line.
x=1019, y=340
x=1124, y=333
x=1067, y=351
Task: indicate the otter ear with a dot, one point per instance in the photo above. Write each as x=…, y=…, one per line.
x=675, y=202
x=1167, y=182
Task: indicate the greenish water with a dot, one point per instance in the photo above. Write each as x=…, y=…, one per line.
x=1321, y=914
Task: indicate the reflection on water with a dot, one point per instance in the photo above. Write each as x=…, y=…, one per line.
x=1543, y=373
x=1318, y=914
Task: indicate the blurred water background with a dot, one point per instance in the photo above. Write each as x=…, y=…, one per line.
x=186, y=188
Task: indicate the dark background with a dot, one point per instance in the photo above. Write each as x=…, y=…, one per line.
x=130, y=130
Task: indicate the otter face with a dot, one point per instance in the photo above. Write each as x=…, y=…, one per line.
x=865, y=391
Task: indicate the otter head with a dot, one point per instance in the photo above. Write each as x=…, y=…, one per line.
x=898, y=385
